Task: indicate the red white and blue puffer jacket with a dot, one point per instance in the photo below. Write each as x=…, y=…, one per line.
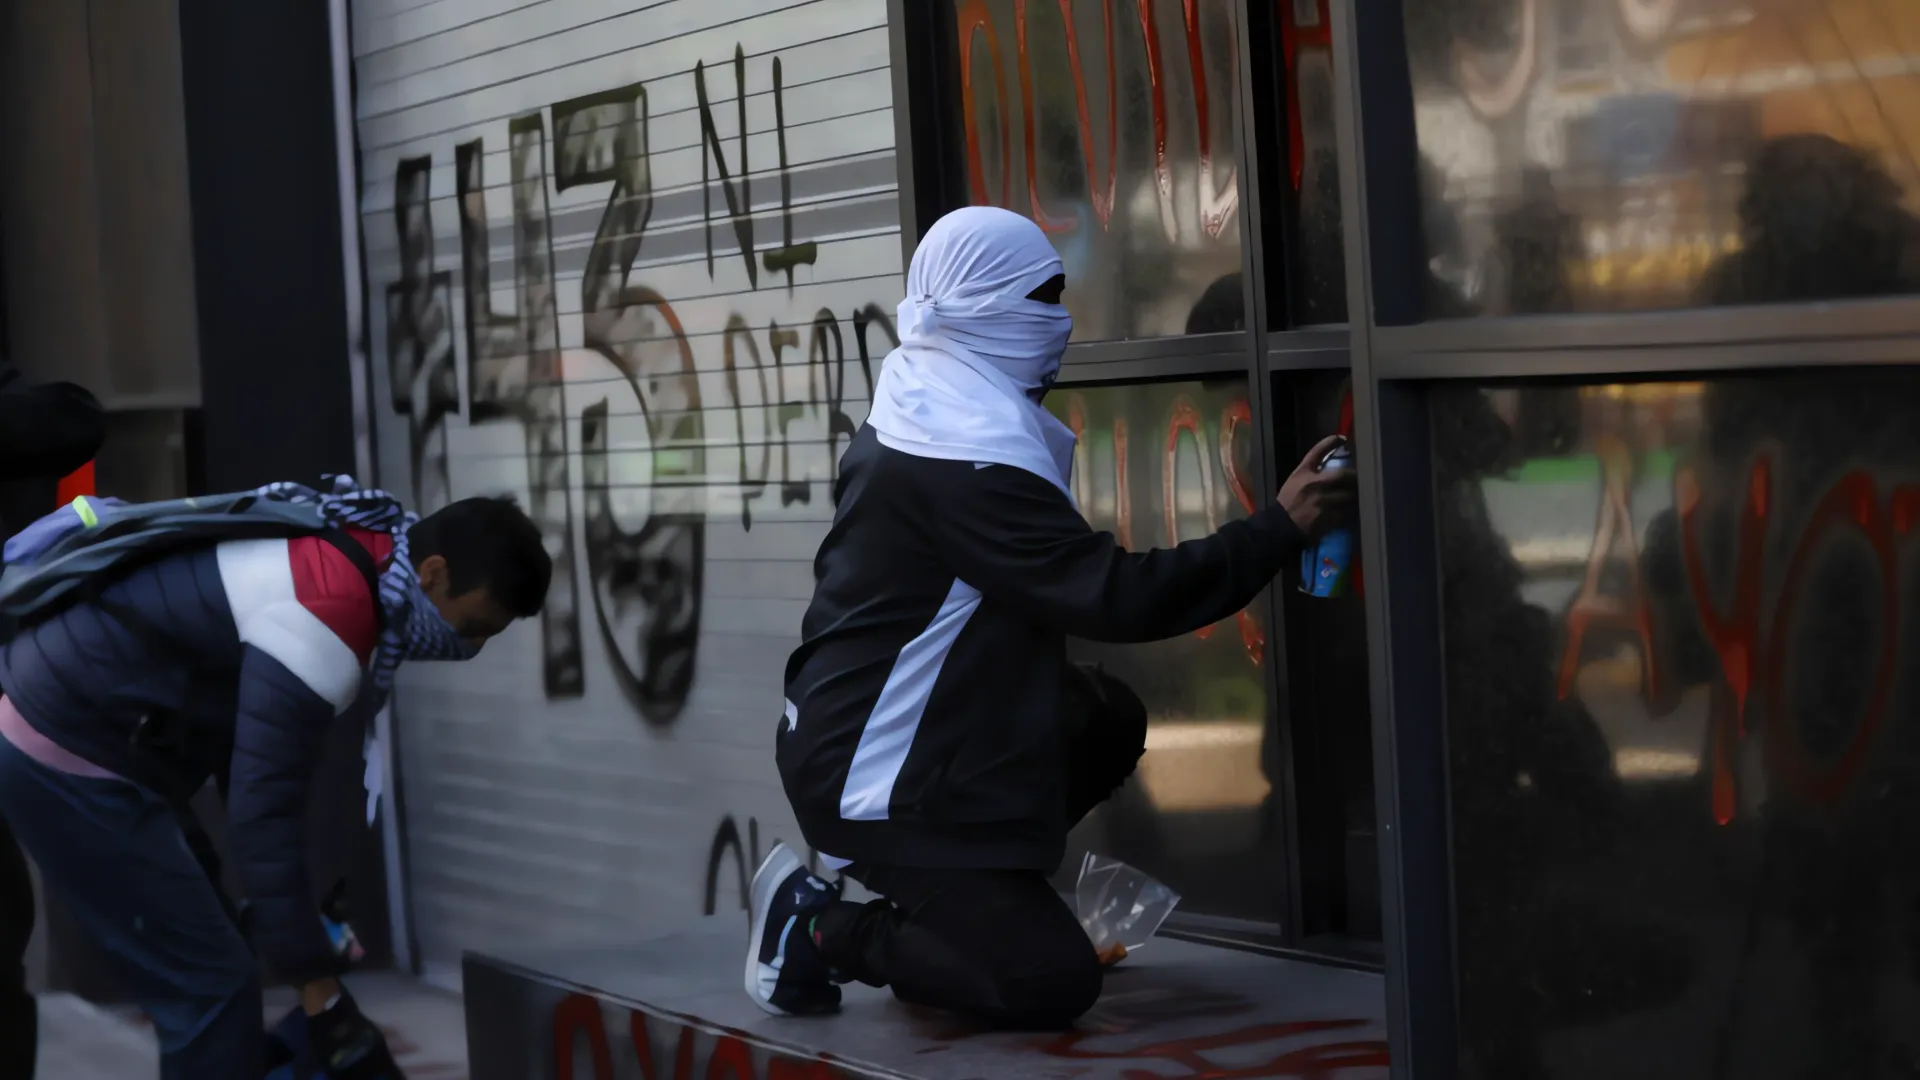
x=268, y=640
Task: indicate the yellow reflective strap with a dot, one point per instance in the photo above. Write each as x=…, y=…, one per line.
x=87, y=516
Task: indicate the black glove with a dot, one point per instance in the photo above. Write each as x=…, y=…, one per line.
x=347, y=1046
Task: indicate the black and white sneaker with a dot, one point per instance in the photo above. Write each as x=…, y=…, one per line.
x=785, y=974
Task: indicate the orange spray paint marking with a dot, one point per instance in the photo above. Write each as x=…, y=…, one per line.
x=1734, y=636
x=1216, y=206
x=1186, y=418
x=1028, y=110
x=1852, y=502
x=974, y=19
x=1102, y=201
x=1082, y=465
x=1163, y=174
x=1591, y=608
x=1903, y=510
x=1294, y=38
x=1236, y=416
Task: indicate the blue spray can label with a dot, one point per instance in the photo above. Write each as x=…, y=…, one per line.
x=1327, y=563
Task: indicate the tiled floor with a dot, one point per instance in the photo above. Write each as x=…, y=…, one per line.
x=425, y=1029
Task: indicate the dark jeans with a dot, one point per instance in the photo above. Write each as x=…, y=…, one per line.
x=19, y=1020
x=999, y=946
x=114, y=852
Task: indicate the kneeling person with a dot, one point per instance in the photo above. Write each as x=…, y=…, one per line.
x=936, y=744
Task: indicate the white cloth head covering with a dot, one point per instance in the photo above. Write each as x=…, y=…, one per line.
x=972, y=346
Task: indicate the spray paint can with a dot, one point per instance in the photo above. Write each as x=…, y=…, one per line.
x=1327, y=564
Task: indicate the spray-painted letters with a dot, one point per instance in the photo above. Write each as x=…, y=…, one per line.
x=784, y=393
x=1749, y=637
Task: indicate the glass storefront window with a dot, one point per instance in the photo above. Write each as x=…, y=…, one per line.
x=1681, y=642
x=1327, y=700
x=1159, y=463
x=1317, y=272
x=1114, y=126
x=1624, y=155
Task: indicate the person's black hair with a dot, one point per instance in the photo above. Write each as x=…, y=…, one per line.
x=487, y=541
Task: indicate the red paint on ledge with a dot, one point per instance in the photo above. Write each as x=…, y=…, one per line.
x=1294, y=1055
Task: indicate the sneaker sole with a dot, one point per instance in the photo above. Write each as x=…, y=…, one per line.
x=774, y=871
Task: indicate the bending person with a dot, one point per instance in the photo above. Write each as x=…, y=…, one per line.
x=936, y=744
x=235, y=657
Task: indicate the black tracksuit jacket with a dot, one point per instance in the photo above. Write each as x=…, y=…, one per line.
x=922, y=721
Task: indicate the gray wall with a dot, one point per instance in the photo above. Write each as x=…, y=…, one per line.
x=93, y=199
x=608, y=770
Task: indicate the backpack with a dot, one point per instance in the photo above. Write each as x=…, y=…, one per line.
x=70, y=556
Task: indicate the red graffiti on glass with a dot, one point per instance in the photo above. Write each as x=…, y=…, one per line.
x=1750, y=642
x=1736, y=635
x=1183, y=419
x=1296, y=36
x=1083, y=470
x=975, y=21
x=1102, y=201
x=1186, y=419
x=975, y=25
x=1232, y=419
x=1591, y=607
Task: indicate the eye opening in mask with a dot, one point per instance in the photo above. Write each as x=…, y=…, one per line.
x=1050, y=290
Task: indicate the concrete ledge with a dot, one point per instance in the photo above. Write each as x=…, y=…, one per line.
x=672, y=1009
x=82, y=1041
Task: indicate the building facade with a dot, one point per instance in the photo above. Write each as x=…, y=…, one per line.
x=636, y=265
x=1612, y=744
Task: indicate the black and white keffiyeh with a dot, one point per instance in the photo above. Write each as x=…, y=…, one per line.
x=413, y=626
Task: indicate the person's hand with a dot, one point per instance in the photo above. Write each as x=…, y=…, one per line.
x=347, y=1046
x=320, y=995
x=1314, y=499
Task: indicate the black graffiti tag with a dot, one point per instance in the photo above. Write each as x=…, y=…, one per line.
x=513, y=370
x=645, y=584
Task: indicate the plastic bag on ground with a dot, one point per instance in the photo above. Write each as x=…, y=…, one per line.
x=1119, y=907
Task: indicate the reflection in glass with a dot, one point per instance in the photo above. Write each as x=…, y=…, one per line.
x=1613, y=155
x=1113, y=125
x=1158, y=464
x=1329, y=724
x=1317, y=256
x=1682, y=666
